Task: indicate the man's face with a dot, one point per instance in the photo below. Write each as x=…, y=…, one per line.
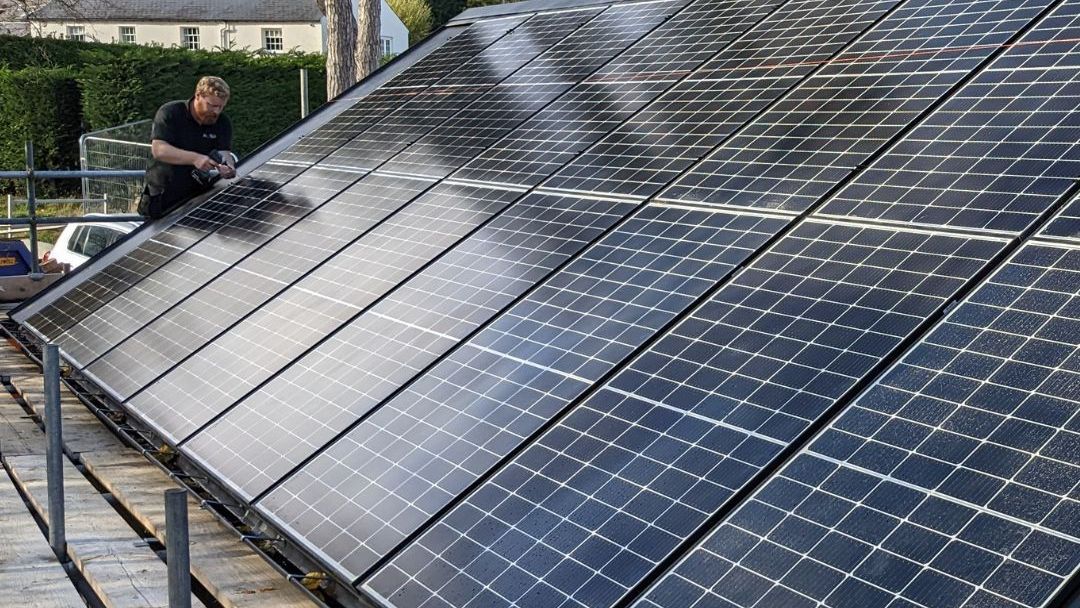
x=207, y=108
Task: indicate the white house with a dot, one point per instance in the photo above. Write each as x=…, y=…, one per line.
x=270, y=25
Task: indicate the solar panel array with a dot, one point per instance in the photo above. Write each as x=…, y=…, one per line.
x=732, y=303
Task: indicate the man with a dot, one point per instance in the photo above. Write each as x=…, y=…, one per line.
x=190, y=143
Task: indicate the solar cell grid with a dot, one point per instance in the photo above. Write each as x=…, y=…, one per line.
x=497, y=112
x=200, y=264
x=251, y=283
x=586, y=511
x=997, y=154
x=596, y=42
x=669, y=135
x=403, y=87
x=326, y=391
x=521, y=46
x=255, y=349
x=551, y=138
x=820, y=132
x=458, y=90
x=537, y=148
x=1066, y=224
x=467, y=412
x=461, y=49
x=346, y=125
x=686, y=40
x=950, y=482
x=471, y=130
x=223, y=207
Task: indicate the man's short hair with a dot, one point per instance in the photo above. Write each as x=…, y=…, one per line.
x=212, y=85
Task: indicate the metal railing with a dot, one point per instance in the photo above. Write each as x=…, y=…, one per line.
x=125, y=147
x=32, y=221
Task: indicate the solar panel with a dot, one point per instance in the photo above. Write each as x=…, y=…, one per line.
x=329, y=389
x=458, y=90
x=462, y=416
x=1066, y=224
x=529, y=89
x=585, y=512
x=404, y=86
x=251, y=351
x=584, y=114
x=686, y=41
x=950, y=482
x=823, y=130
x=224, y=207
x=670, y=134
x=155, y=348
x=201, y=263
x=997, y=154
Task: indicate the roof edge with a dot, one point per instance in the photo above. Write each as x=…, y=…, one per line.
x=513, y=8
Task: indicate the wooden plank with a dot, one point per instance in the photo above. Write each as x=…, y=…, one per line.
x=229, y=569
x=117, y=565
x=234, y=574
x=19, y=435
x=113, y=560
x=83, y=432
x=30, y=575
x=13, y=362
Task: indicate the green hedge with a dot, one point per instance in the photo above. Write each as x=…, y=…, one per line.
x=265, y=90
x=104, y=85
x=42, y=105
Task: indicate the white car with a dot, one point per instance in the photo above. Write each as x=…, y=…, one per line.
x=80, y=241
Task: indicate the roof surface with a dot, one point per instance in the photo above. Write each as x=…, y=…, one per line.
x=188, y=10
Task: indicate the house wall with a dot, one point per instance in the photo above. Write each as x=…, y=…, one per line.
x=305, y=37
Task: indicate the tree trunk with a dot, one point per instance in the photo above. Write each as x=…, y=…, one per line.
x=340, y=42
x=368, y=41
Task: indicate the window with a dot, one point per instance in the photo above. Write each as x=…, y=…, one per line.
x=273, y=40
x=127, y=34
x=91, y=240
x=76, y=32
x=189, y=38
x=387, y=46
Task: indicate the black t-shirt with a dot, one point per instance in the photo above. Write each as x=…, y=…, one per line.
x=174, y=124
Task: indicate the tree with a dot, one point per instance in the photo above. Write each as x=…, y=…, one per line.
x=340, y=44
x=368, y=40
x=417, y=17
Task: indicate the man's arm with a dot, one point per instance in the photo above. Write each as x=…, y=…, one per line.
x=168, y=153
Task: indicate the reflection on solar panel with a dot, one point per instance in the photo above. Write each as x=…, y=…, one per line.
x=381, y=102
x=666, y=137
x=819, y=133
x=325, y=233
x=597, y=303
x=529, y=89
x=372, y=357
x=457, y=91
x=612, y=490
x=947, y=483
x=459, y=419
x=216, y=214
x=200, y=264
x=996, y=125
x=314, y=307
x=584, y=114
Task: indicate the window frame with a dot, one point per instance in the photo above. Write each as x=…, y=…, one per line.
x=69, y=33
x=123, y=32
x=190, y=43
x=266, y=39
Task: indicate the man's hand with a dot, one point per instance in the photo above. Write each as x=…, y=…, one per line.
x=227, y=171
x=203, y=162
